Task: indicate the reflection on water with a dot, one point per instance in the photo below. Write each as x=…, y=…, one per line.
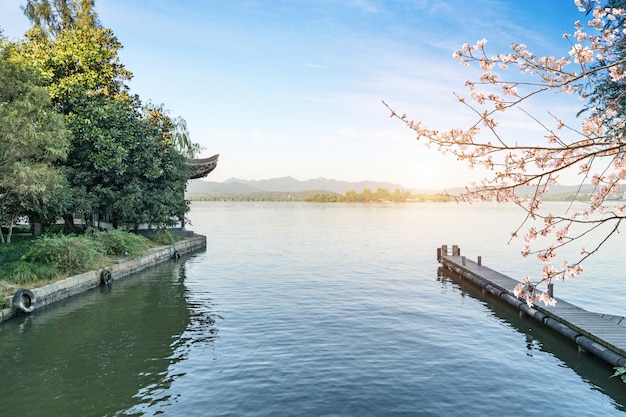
x=200, y=330
x=305, y=310
x=541, y=338
x=97, y=353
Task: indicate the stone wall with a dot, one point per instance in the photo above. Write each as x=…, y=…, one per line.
x=80, y=283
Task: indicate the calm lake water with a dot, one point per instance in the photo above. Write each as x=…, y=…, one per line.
x=302, y=309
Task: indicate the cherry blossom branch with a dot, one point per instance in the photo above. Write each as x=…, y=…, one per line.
x=599, y=141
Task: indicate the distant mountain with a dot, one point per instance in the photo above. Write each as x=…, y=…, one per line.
x=235, y=186
x=284, y=184
x=201, y=187
x=526, y=191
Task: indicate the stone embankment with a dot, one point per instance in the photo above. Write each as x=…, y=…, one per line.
x=80, y=283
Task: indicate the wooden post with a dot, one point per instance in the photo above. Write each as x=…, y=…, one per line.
x=438, y=254
x=455, y=250
x=463, y=260
x=480, y=260
x=444, y=250
x=551, y=290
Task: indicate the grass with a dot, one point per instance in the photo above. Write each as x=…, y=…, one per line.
x=31, y=262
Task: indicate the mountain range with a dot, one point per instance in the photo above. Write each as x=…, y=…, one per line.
x=289, y=184
x=284, y=184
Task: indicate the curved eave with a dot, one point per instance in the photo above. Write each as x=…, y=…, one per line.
x=200, y=168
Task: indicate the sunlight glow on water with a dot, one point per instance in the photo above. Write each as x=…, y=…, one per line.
x=310, y=310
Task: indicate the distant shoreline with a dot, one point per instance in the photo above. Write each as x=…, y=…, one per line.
x=330, y=197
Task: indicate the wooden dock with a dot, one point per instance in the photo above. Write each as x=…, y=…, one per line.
x=600, y=334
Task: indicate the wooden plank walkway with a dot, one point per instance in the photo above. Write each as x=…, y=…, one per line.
x=601, y=334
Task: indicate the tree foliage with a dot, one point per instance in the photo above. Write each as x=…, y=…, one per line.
x=172, y=129
x=123, y=167
x=594, y=69
x=80, y=59
x=54, y=16
x=126, y=160
x=32, y=139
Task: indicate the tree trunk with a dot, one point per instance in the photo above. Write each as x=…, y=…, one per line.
x=36, y=228
x=11, y=223
x=10, y=233
x=69, y=226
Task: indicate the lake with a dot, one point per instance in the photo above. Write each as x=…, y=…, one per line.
x=305, y=309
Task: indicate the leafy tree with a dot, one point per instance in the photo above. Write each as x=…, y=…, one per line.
x=159, y=173
x=75, y=54
x=596, y=149
x=399, y=195
x=351, y=196
x=172, y=129
x=52, y=17
x=32, y=139
x=126, y=159
x=382, y=194
x=77, y=59
x=44, y=212
x=124, y=167
x=367, y=195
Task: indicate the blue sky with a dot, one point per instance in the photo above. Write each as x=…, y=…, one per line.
x=294, y=87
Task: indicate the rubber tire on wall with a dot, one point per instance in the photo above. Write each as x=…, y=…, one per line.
x=24, y=300
x=105, y=277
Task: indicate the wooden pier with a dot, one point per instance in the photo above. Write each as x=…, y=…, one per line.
x=600, y=334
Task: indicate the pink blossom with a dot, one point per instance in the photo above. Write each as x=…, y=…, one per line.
x=594, y=144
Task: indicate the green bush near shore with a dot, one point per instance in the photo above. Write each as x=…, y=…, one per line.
x=69, y=254
x=118, y=243
x=51, y=257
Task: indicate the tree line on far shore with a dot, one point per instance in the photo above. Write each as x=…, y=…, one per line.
x=367, y=196
x=381, y=195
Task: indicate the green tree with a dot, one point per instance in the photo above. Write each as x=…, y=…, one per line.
x=351, y=196
x=367, y=195
x=382, y=194
x=124, y=167
x=399, y=195
x=32, y=139
x=126, y=160
x=45, y=211
x=172, y=129
x=75, y=54
x=159, y=172
x=52, y=17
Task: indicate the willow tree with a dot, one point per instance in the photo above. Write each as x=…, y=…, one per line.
x=595, y=148
x=172, y=129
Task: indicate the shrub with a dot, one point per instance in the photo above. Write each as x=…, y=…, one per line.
x=70, y=254
x=20, y=272
x=14, y=270
x=11, y=252
x=117, y=243
x=164, y=237
x=50, y=257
